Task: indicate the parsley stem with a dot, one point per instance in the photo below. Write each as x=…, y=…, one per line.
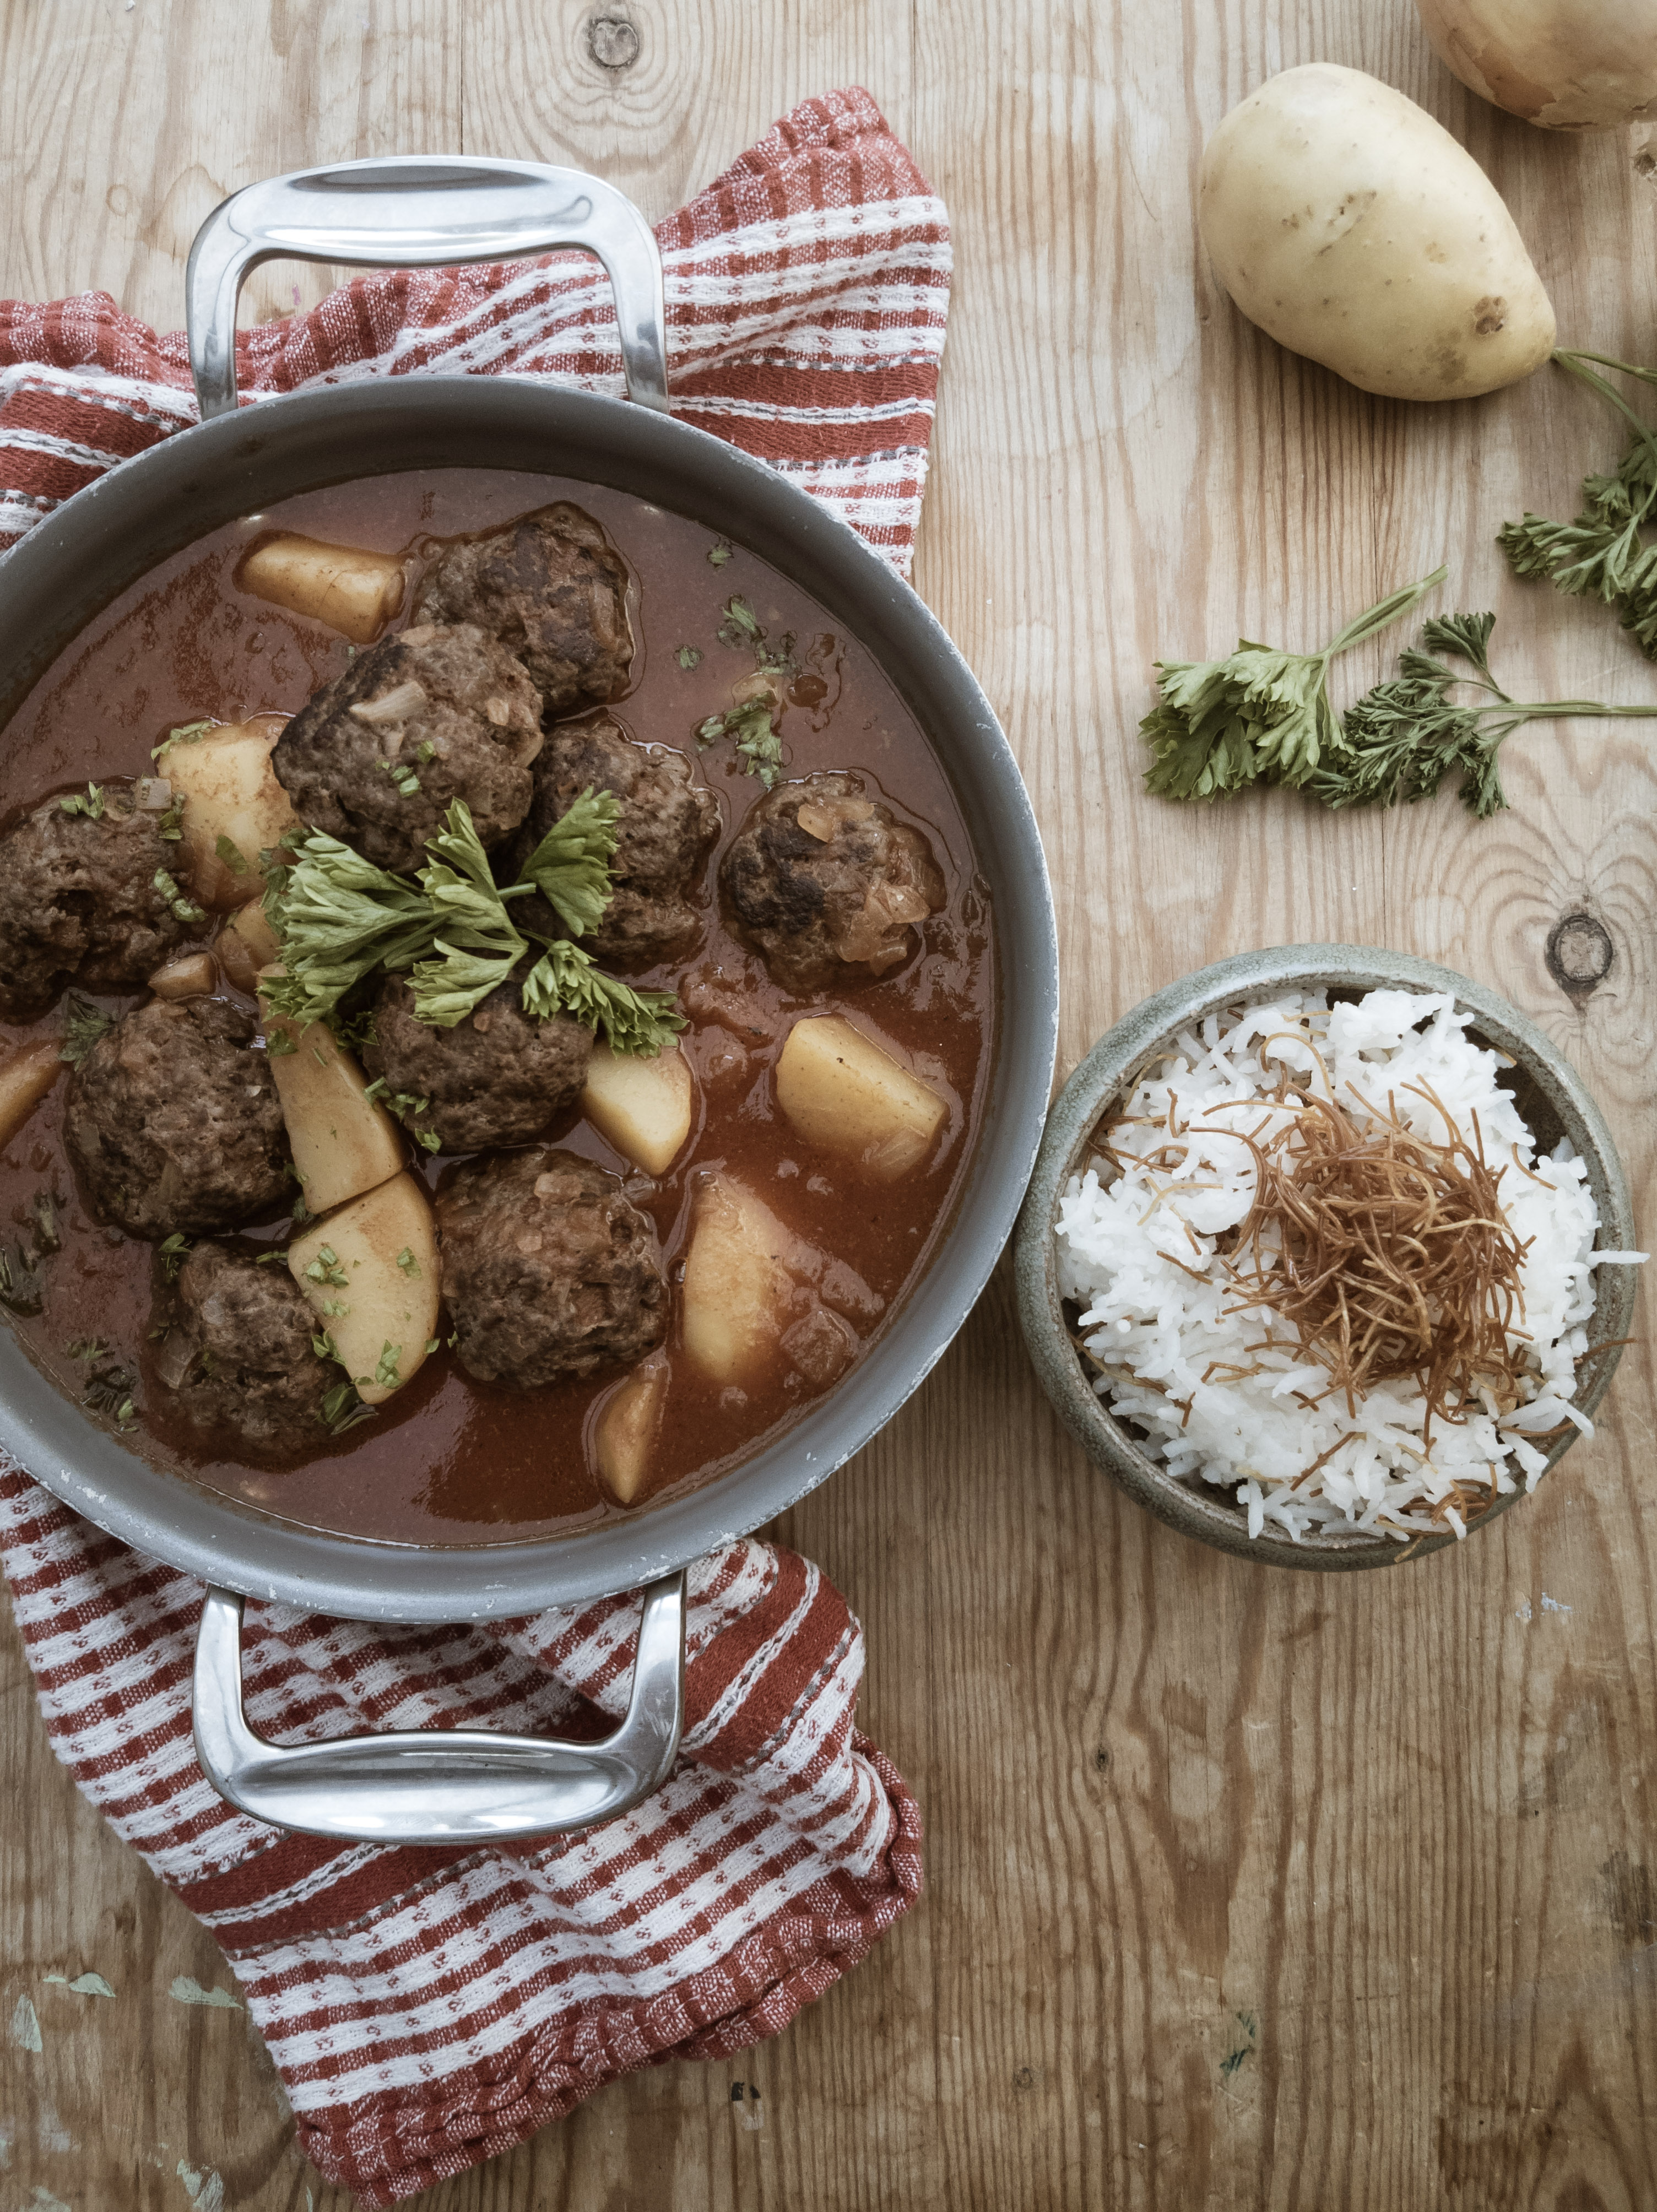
x=1574, y=363
x=1383, y=615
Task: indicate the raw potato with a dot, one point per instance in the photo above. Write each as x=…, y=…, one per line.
x=245, y=945
x=354, y=592
x=379, y=1302
x=185, y=978
x=229, y=790
x=343, y=1141
x=644, y=1106
x=1349, y=227
x=624, y=1440
x=1563, y=64
x=25, y=1080
x=845, y=1094
x=737, y=1287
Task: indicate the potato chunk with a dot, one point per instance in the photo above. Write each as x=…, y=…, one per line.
x=25, y=1080
x=370, y=1272
x=343, y=1141
x=624, y=1439
x=846, y=1094
x=233, y=807
x=352, y=592
x=185, y=978
x=245, y=945
x=753, y=1292
x=644, y=1106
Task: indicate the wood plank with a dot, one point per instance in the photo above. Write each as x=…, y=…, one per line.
x=1245, y=1889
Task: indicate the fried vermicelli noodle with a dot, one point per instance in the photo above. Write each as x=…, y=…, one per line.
x=1319, y=1261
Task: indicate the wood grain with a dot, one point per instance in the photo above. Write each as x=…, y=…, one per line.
x=1245, y=1889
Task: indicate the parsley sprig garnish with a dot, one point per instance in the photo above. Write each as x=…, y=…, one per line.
x=1602, y=554
x=1404, y=738
x=451, y=930
x=1262, y=716
x=1259, y=715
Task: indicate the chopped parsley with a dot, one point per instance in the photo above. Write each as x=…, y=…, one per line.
x=758, y=742
x=740, y=626
x=170, y=825
x=90, y=803
x=424, y=751
x=343, y=1409
x=278, y=1044
x=89, y=1348
x=187, y=734
x=719, y=553
x=432, y=1343
x=403, y=776
x=231, y=854
x=185, y=909
x=172, y=1251
x=385, y=1376
x=268, y=1259
x=21, y=1290
x=325, y=1268
x=324, y=1346
x=109, y=1391
x=408, y=1262
x=688, y=656
x=84, y=1024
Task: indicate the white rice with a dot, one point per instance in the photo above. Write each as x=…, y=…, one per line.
x=1162, y=1333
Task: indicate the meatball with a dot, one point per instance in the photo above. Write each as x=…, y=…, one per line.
x=548, y=1270
x=827, y=885
x=663, y=832
x=79, y=902
x=172, y=1121
x=550, y=587
x=379, y=756
x=497, y=1078
x=236, y=1352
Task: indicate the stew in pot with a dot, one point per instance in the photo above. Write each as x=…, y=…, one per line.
x=494, y=998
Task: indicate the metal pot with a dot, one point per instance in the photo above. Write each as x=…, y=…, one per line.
x=454, y=1785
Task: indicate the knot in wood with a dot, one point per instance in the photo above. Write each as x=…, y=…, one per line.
x=1579, y=953
x=613, y=42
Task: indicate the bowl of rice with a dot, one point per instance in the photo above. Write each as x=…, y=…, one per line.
x=1328, y=1255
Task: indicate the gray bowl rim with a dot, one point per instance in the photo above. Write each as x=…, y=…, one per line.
x=1208, y=1514
x=115, y=530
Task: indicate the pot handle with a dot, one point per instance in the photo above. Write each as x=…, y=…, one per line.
x=441, y=1785
x=422, y=211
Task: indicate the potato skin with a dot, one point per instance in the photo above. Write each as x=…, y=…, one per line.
x=1561, y=64
x=1345, y=223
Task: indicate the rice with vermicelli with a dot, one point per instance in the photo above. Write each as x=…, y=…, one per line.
x=1223, y=1385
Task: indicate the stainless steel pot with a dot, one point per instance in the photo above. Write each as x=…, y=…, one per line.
x=451, y=1786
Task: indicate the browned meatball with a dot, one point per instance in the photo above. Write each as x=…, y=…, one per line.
x=378, y=756
x=172, y=1121
x=551, y=588
x=548, y=1270
x=827, y=885
x=497, y=1078
x=237, y=1353
x=79, y=900
x=663, y=832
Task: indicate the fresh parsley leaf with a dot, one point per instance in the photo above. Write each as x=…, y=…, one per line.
x=565, y=980
x=1259, y=714
x=231, y=854
x=476, y=947
x=1602, y=554
x=1404, y=737
x=84, y=1024
x=570, y=866
x=740, y=626
x=343, y=1409
x=337, y=917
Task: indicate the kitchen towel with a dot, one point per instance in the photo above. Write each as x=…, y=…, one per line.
x=806, y=291
x=429, y=2008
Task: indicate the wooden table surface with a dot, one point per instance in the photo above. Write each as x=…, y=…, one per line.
x=1245, y=1889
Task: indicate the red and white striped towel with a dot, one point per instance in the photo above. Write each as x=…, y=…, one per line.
x=429, y=2008
x=807, y=292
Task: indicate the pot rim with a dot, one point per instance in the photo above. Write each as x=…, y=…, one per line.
x=117, y=529
x=1203, y=1511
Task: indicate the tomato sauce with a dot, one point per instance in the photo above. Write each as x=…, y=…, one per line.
x=449, y=1461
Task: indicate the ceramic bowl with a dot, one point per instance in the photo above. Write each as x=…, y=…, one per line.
x=1548, y=1093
